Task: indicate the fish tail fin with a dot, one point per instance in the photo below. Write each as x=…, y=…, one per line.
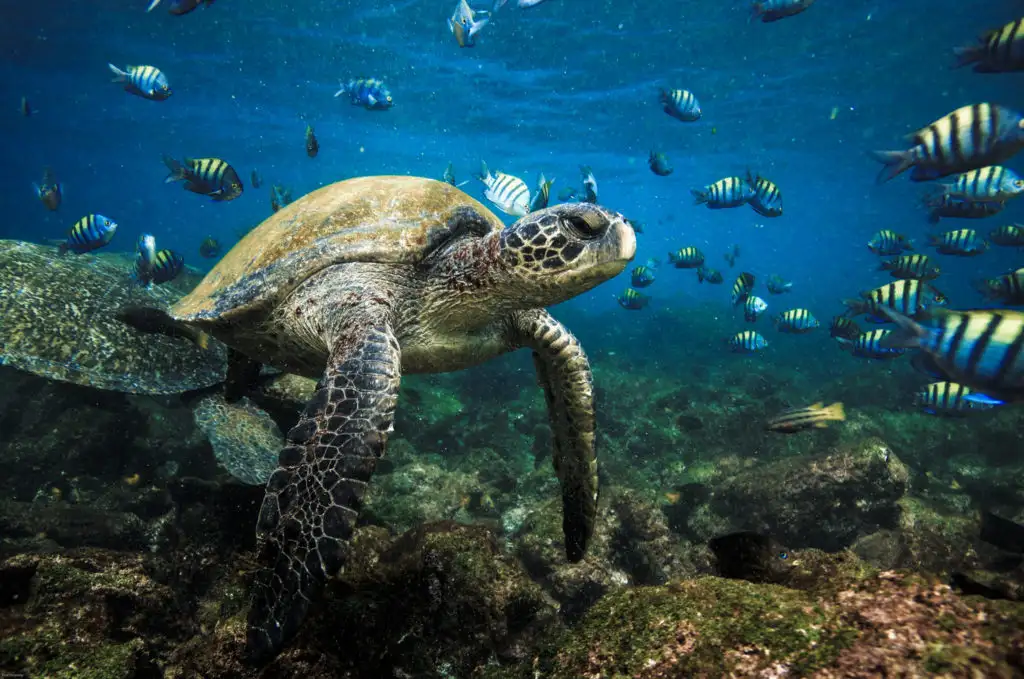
x=968, y=54
x=886, y=266
x=934, y=240
x=985, y=289
x=855, y=306
x=343, y=90
x=908, y=334
x=119, y=75
x=836, y=412
x=178, y=171
x=699, y=197
x=478, y=26
x=895, y=162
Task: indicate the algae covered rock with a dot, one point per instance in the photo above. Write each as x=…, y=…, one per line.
x=824, y=501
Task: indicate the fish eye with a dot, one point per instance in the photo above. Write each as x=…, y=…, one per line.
x=783, y=555
x=389, y=97
x=1019, y=183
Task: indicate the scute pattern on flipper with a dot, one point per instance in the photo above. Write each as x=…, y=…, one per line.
x=245, y=440
x=391, y=219
x=58, y=321
x=314, y=497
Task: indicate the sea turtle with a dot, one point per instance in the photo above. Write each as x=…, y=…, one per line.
x=60, y=321
x=366, y=279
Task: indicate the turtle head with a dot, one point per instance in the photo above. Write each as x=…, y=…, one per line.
x=559, y=252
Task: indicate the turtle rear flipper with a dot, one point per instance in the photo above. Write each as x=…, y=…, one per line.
x=316, y=493
x=157, y=321
x=564, y=374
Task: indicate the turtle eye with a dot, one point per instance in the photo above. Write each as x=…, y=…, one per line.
x=586, y=226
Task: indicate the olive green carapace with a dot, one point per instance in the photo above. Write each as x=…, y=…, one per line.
x=58, y=320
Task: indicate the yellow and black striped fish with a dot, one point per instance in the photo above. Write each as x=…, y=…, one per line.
x=689, y=257
x=312, y=145
x=919, y=267
x=909, y=297
x=167, y=266
x=998, y=51
x=633, y=300
x=89, y=233
x=543, y=195
x=815, y=416
x=970, y=137
x=871, y=345
x=767, y=199
x=888, y=242
x=951, y=398
x=725, y=193
x=992, y=184
x=706, y=275
x=796, y=321
x=147, y=82
x=962, y=242
x=747, y=341
x=642, y=276
x=741, y=288
x=207, y=176
x=980, y=348
x=753, y=308
x=680, y=104
x=942, y=205
x=1009, y=235
x=844, y=327
x=1008, y=288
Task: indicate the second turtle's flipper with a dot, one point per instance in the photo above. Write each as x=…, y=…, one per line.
x=315, y=495
x=564, y=373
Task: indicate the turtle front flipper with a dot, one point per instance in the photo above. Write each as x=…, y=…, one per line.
x=314, y=497
x=564, y=373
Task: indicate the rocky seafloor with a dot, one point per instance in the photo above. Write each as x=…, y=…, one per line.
x=125, y=551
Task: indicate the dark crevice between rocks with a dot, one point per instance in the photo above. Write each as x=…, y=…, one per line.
x=16, y=584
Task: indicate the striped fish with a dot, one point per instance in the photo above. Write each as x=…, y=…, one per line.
x=815, y=416
x=464, y=25
x=543, y=195
x=370, y=93
x=89, y=233
x=642, y=276
x=312, y=145
x=796, y=321
x=992, y=184
x=870, y=345
x=970, y=137
x=145, y=259
x=940, y=206
x=753, y=308
x=725, y=193
x=919, y=267
x=1008, y=288
x=207, y=176
x=167, y=265
x=706, y=275
x=979, y=348
x=747, y=342
x=686, y=258
x=589, y=185
x=680, y=104
x=962, y=242
x=777, y=285
x=741, y=288
x=997, y=51
x=147, y=82
x=842, y=326
x=49, y=192
x=773, y=10
x=909, y=297
x=1010, y=235
x=887, y=242
x=951, y=398
x=633, y=300
x=508, y=193
x=767, y=199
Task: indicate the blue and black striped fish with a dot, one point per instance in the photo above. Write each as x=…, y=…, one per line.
x=909, y=297
x=887, y=242
x=642, y=276
x=370, y=93
x=992, y=184
x=147, y=82
x=952, y=399
x=747, y=342
x=659, y=164
x=946, y=206
x=919, y=267
x=845, y=327
x=680, y=104
x=633, y=300
x=741, y=288
x=89, y=233
x=1000, y=50
x=969, y=138
x=778, y=285
x=706, y=275
x=1008, y=288
x=1009, y=235
x=796, y=321
x=753, y=308
x=980, y=348
x=767, y=198
x=725, y=193
x=210, y=248
x=962, y=242
x=207, y=176
x=686, y=258
x=870, y=345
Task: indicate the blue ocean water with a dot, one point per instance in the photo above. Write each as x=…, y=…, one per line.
x=546, y=89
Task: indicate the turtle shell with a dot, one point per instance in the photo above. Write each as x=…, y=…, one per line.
x=387, y=219
x=59, y=320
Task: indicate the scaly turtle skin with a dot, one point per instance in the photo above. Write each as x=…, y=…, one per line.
x=369, y=278
x=59, y=321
